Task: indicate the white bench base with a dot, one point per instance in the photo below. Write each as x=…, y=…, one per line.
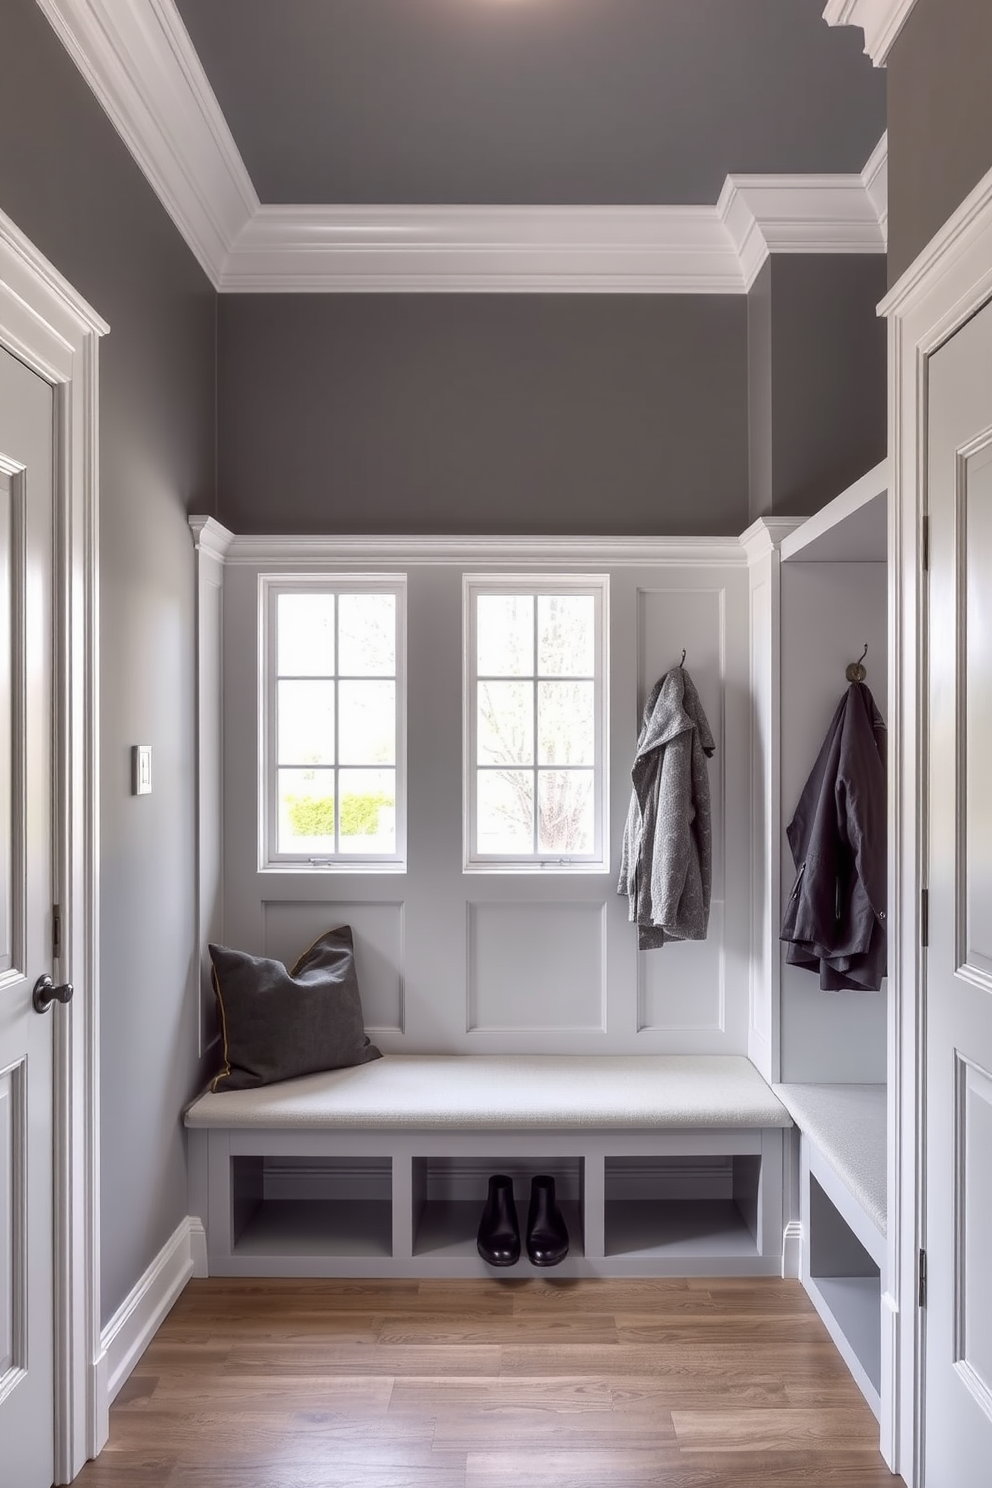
x=842, y=1201
x=664, y=1166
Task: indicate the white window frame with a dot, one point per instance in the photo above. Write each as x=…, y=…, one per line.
x=598, y=587
x=270, y=587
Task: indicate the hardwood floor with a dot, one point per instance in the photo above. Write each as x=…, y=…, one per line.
x=491, y=1384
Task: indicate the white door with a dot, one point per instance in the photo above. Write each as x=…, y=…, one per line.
x=26, y=1118
x=958, y=1033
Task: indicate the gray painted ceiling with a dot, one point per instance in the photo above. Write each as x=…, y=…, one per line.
x=528, y=102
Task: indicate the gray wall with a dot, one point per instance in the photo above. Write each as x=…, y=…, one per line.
x=940, y=119
x=69, y=183
x=473, y=414
x=817, y=369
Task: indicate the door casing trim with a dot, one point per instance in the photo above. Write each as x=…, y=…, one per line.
x=949, y=281
x=51, y=328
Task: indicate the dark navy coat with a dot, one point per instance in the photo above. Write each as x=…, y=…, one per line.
x=835, y=918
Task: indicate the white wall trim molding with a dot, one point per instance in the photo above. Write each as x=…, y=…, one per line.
x=346, y=551
x=880, y=20
x=45, y=323
x=797, y=214
x=141, y=65
x=944, y=287
x=146, y=1306
x=875, y=179
x=766, y=535
x=211, y=542
x=594, y=250
x=210, y=537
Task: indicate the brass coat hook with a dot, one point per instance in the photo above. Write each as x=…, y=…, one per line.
x=855, y=671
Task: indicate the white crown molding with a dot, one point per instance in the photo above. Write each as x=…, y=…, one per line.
x=280, y=552
x=875, y=179
x=635, y=250
x=140, y=63
x=766, y=535
x=799, y=214
x=139, y=60
x=880, y=20
x=210, y=536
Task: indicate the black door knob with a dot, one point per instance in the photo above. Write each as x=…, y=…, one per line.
x=45, y=993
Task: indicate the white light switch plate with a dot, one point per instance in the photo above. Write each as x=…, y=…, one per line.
x=141, y=769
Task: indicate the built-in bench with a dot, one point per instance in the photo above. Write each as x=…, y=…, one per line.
x=842, y=1201
x=665, y=1164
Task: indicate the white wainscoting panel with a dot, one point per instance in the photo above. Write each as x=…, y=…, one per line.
x=289, y=927
x=683, y=984
x=504, y=961
x=536, y=966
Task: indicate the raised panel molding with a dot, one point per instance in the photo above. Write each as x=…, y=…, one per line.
x=535, y=967
x=291, y=925
x=141, y=65
x=880, y=20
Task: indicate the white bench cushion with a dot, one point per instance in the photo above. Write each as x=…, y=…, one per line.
x=506, y=1091
x=847, y=1124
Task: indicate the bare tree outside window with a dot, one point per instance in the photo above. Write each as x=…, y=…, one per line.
x=536, y=723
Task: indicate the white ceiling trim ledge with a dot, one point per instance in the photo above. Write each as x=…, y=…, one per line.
x=281, y=552
x=635, y=250
x=880, y=20
x=139, y=61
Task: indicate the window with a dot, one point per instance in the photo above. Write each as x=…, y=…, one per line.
x=534, y=726
x=332, y=731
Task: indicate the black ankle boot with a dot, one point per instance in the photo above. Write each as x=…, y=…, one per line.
x=499, y=1233
x=547, y=1237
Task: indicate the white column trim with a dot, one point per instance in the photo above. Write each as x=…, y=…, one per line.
x=944, y=287
x=54, y=332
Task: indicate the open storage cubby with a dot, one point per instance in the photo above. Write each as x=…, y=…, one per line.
x=449, y=1195
x=845, y=1283
x=285, y=1202
x=304, y=1207
x=703, y=1207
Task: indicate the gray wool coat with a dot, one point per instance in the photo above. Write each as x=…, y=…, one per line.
x=666, y=862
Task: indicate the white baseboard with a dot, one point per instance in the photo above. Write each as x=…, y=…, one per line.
x=792, y=1250
x=141, y=1314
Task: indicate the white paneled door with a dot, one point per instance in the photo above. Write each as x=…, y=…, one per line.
x=958, y=1230
x=26, y=928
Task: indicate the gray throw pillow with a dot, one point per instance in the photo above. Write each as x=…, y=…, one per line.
x=276, y=1024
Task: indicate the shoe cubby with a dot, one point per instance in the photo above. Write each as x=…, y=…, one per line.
x=298, y=1207
x=449, y=1195
x=408, y=1203
x=844, y=1281
x=703, y=1208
